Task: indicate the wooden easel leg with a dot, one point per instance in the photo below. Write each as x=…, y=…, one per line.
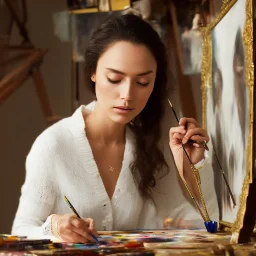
x=186, y=95
x=250, y=216
x=12, y=87
x=185, y=88
x=43, y=97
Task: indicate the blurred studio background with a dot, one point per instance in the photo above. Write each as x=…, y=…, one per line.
x=41, y=69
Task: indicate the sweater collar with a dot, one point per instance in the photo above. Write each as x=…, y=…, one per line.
x=82, y=143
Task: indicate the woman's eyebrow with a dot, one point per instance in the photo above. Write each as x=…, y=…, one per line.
x=122, y=73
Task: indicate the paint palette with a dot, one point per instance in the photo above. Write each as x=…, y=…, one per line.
x=120, y=243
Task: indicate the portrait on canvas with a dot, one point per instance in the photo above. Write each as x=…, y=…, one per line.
x=227, y=107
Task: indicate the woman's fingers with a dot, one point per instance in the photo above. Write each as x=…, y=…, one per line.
x=199, y=138
x=193, y=141
x=73, y=237
x=73, y=229
x=81, y=227
x=196, y=134
x=178, y=136
x=91, y=226
x=179, y=129
x=190, y=132
x=188, y=121
x=83, y=233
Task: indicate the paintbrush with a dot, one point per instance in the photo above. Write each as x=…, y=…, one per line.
x=203, y=143
x=206, y=147
x=192, y=166
x=77, y=215
x=211, y=226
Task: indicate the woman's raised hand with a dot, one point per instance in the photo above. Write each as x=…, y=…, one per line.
x=188, y=129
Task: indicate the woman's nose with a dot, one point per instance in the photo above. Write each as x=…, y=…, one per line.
x=126, y=91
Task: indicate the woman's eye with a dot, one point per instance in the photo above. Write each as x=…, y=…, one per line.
x=114, y=81
x=143, y=84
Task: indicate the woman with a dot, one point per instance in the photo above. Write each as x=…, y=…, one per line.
x=106, y=158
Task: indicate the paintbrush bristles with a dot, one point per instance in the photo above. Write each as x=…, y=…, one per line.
x=169, y=102
x=174, y=112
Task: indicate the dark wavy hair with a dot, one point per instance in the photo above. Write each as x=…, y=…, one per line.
x=149, y=160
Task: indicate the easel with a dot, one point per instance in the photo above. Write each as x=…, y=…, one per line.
x=30, y=67
x=185, y=88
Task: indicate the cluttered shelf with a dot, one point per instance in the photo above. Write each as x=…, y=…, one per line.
x=83, y=11
x=91, y=6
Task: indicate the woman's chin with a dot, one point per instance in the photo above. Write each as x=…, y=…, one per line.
x=123, y=120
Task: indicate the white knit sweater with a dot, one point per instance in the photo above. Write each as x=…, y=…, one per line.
x=61, y=163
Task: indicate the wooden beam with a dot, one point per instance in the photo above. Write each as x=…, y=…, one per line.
x=25, y=67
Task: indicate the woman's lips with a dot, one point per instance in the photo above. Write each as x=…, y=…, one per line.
x=122, y=110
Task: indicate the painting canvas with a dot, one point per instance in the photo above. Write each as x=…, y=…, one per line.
x=228, y=104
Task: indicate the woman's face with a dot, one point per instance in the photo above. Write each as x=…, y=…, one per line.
x=124, y=80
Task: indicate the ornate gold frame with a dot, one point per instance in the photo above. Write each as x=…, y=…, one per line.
x=207, y=84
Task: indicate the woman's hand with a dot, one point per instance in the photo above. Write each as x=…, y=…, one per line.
x=71, y=229
x=188, y=129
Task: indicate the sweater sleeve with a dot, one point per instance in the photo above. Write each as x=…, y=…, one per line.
x=38, y=192
x=172, y=201
x=208, y=189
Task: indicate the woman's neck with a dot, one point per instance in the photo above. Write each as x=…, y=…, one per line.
x=101, y=129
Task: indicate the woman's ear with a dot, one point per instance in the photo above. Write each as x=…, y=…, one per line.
x=93, y=77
